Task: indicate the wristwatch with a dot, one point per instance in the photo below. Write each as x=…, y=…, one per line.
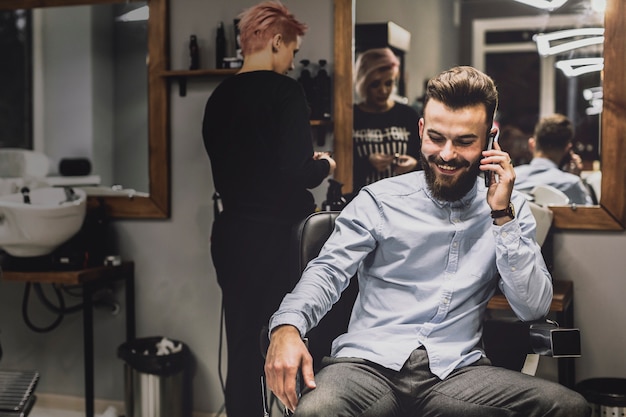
x=509, y=211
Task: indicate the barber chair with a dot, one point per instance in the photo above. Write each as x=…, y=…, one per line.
x=547, y=195
x=508, y=341
x=17, y=392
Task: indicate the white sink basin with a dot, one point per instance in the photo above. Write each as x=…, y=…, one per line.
x=51, y=218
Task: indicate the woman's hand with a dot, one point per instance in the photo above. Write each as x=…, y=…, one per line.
x=381, y=161
x=403, y=164
x=326, y=156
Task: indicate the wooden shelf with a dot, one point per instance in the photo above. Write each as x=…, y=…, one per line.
x=201, y=73
x=181, y=76
x=561, y=299
x=71, y=277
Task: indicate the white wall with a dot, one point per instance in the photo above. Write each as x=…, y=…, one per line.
x=177, y=293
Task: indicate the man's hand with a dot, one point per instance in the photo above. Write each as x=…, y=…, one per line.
x=286, y=354
x=498, y=162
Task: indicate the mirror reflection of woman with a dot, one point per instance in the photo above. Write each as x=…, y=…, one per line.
x=386, y=141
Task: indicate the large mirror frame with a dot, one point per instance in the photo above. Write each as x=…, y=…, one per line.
x=157, y=204
x=611, y=213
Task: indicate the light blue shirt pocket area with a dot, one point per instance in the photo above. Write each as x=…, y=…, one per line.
x=426, y=271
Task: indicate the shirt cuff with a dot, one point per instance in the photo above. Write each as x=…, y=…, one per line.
x=292, y=318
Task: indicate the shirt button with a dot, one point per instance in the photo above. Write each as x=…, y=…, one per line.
x=455, y=244
x=513, y=269
x=504, y=235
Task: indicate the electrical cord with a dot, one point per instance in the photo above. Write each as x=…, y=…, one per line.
x=61, y=310
x=219, y=359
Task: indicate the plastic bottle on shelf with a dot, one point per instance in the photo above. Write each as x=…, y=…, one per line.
x=321, y=86
x=306, y=81
x=194, y=53
x=220, y=46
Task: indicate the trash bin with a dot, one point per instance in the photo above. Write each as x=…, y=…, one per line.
x=156, y=377
x=607, y=396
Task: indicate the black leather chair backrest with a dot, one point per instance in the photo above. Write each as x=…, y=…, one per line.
x=310, y=237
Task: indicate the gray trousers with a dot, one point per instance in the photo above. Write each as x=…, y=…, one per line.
x=355, y=387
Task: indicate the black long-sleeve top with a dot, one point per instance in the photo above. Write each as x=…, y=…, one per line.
x=257, y=134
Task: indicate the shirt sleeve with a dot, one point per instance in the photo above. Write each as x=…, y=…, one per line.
x=525, y=279
x=329, y=274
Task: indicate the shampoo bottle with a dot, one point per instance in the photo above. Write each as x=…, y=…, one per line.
x=194, y=53
x=220, y=46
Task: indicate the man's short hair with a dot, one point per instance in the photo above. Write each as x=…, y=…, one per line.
x=553, y=133
x=464, y=86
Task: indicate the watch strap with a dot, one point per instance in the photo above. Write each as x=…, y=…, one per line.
x=509, y=211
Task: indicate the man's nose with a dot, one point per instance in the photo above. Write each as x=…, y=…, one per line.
x=448, y=152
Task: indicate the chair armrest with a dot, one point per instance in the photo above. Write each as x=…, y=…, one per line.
x=548, y=339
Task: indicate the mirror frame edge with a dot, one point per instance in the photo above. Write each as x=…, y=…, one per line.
x=157, y=204
x=343, y=54
x=610, y=215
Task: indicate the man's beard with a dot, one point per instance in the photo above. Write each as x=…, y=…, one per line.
x=446, y=188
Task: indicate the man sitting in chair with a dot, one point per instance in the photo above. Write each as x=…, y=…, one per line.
x=551, y=145
x=429, y=247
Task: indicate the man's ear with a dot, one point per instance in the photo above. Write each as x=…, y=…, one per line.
x=532, y=144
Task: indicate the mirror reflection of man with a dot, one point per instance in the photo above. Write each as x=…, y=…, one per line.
x=550, y=144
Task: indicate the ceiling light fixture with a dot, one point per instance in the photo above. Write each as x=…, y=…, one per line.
x=579, y=66
x=544, y=4
x=580, y=38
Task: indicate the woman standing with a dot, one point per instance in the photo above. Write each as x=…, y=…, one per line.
x=386, y=141
x=257, y=134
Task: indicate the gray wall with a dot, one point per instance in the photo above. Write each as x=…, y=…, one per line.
x=177, y=294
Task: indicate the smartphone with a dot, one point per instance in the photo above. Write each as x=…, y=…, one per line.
x=493, y=137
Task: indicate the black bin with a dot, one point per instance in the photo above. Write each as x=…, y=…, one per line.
x=607, y=396
x=156, y=385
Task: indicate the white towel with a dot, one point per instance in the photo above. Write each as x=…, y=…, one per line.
x=16, y=163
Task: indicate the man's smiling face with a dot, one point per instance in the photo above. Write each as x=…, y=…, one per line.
x=452, y=145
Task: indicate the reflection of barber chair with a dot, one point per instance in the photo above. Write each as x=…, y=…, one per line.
x=542, y=338
x=547, y=195
x=17, y=390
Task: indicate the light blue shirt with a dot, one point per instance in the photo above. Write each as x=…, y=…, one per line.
x=426, y=271
x=542, y=171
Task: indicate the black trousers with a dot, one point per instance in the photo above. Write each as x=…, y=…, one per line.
x=254, y=265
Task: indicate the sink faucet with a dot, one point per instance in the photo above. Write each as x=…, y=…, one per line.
x=26, y=194
x=70, y=194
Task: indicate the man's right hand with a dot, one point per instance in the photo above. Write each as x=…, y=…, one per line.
x=285, y=355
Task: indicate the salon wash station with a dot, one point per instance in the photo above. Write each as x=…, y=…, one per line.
x=39, y=214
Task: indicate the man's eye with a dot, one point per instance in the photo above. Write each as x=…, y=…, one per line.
x=375, y=84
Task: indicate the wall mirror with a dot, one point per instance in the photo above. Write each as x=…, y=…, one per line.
x=610, y=214
x=151, y=153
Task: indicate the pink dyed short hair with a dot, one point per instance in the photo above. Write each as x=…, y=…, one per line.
x=260, y=23
x=370, y=61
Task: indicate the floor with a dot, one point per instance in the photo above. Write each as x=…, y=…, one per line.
x=55, y=412
x=51, y=412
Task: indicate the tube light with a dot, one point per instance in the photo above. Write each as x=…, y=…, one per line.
x=579, y=66
x=590, y=36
